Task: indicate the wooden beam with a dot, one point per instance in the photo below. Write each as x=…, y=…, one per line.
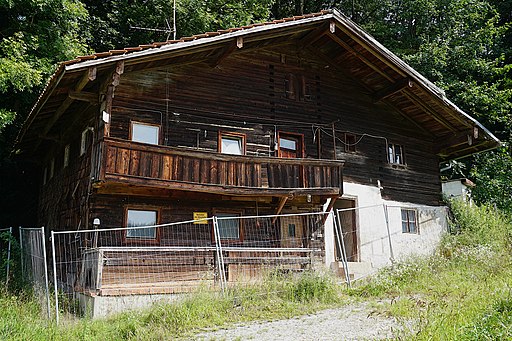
x=464, y=138
x=84, y=96
x=225, y=52
x=312, y=36
x=349, y=48
x=329, y=208
x=392, y=89
x=416, y=100
x=407, y=117
x=282, y=202
x=88, y=76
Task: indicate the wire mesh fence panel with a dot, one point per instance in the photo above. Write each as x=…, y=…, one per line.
x=362, y=239
x=133, y=267
x=253, y=248
x=34, y=265
x=5, y=253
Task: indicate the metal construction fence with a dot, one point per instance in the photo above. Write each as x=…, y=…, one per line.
x=155, y=262
x=108, y=270
x=5, y=253
x=34, y=264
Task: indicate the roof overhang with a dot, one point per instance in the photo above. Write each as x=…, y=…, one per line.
x=389, y=79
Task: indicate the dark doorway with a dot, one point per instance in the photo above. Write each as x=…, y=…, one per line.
x=347, y=218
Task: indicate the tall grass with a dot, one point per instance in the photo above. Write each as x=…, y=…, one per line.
x=462, y=292
x=281, y=296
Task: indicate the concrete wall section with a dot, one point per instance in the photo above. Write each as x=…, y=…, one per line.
x=375, y=246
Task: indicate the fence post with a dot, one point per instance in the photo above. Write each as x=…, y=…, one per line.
x=21, y=255
x=341, y=245
x=220, y=257
x=55, y=278
x=46, y=273
x=391, y=255
x=8, y=255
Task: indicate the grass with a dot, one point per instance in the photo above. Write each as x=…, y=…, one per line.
x=461, y=293
x=280, y=297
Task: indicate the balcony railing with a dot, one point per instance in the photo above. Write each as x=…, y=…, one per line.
x=169, y=167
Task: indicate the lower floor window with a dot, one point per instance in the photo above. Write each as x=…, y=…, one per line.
x=409, y=221
x=141, y=218
x=229, y=226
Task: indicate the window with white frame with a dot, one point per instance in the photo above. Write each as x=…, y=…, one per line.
x=396, y=154
x=409, y=221
x=229, y=226
x=232, y=143
x=141, y=218
x=145, y=133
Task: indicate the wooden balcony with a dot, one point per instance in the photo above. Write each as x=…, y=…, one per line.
x=193, y=170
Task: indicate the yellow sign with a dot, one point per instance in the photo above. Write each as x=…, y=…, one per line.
x=200, y=217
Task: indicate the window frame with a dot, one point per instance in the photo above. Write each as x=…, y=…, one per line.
x=233, y=135
x=393, y=154
x=408, y=221
x=350, y=147
x=298, y=136
x=159, y=135
x=134, y=240
x=238, y=213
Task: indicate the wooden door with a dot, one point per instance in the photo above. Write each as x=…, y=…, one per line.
x=292, y=232
x=290, y=145
x=349, y=229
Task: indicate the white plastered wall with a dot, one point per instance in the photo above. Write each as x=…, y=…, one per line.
x=373, y=238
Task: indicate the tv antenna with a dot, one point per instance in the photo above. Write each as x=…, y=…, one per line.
x=167, y=30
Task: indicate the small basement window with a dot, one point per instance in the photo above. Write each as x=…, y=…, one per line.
x=409, y=221
x=231, y=143
x=229, y=226
x=136, y=218
x=145, y=133
x=396, y=154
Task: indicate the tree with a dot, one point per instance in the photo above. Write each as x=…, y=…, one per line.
x=122, y=23
x=34, y=36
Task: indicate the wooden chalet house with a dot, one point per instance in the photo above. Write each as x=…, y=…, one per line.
x=302, y=114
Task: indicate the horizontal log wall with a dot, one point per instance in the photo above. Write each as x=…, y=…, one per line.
x=247, y=94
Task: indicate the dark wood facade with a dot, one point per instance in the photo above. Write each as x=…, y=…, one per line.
x=316, y=78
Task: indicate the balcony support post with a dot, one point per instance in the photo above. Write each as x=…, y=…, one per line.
x=282, y=202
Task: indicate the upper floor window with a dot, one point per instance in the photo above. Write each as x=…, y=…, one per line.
x=409, y=221
x=145, y=133
x=136, y=218
x=350, y=143
x=232, y=143
x=396, y=154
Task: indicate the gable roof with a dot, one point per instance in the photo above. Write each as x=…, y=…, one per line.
x=340, y=43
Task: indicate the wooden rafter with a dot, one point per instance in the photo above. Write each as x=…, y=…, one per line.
x=225, y=53
x=84, y=96
x=88, y=76
x=349, y=48
x=392, y=89
x=312, y=36
x=416, y=100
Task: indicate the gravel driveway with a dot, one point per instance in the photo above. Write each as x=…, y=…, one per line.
x=352, y=322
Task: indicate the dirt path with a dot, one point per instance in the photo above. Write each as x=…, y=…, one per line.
x=355, y=321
